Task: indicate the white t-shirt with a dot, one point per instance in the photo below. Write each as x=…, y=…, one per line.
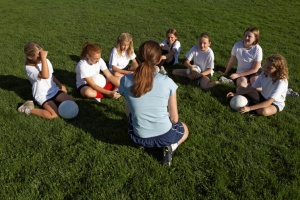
x=276, y=90
x=246, y=57
x=203, y=59
x=85, y=70
x=176, y=46
x=120, y=61
x=42, y=89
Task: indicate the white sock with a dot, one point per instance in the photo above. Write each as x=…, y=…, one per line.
x=174, y=146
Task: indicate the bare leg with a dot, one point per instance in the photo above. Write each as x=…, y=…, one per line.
x=49, y=111
x=179, y=72
x=185, y=135
x=87, y=91
x=206, y=84
x=270, y=110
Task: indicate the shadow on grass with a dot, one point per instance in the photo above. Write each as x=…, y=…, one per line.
x=103, y=121
x=20, y=86
x=219, y=91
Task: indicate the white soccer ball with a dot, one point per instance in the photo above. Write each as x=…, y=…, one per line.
x=68, y=109
x=188, y=71
x=238, y=101
x=99, y=80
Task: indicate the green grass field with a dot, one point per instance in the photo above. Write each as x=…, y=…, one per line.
x=227, y=156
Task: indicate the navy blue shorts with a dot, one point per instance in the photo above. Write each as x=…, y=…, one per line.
x=171, y=137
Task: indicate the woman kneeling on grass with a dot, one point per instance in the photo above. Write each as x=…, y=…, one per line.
x=274, y=83
x=152, y=109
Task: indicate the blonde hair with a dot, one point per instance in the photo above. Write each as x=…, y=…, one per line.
x=125, y=37
x=30, y=49
x=255, y=31
x=280, y=64
x=149, y=55
x=88, y=50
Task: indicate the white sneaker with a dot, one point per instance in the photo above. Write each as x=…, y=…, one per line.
x=157, y=69
x=162, y=70
x=98, y=100
x=292, y=93
x=26, y=107
x=225, y=80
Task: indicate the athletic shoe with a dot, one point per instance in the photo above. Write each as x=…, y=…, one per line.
x=157, y=69
x=162, y=70
x=292, y=93
x=167, y=156
x=26, y=107
x=225, y=80
x=98, y=100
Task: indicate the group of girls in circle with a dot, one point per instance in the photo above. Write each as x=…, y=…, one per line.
x=151, y=103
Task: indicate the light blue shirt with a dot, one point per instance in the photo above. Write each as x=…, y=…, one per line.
x=149, y=112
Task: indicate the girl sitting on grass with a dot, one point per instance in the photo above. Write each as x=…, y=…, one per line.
x=121, y=55
x=249, y=55
x=90, y=64
x=203, y=57
x=274, y=83
x=170, y=48
x=47, y=91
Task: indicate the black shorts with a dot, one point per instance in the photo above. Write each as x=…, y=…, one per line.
x=53, y=98
x=248, y=76
x=261, y=99
x=79, y=88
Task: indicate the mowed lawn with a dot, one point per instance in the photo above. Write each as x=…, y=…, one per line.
x=227, y=155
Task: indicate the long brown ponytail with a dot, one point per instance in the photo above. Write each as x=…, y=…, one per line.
x=149, y=55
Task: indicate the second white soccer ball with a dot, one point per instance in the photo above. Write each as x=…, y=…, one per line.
x=238, y=101
x=188, y=71
x=68, y=109
x=99, y=79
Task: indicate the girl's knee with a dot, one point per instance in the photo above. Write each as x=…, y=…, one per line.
x=265, y=112
x=53, y=116
x=186, y=130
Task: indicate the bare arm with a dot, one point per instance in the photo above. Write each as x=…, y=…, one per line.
x=263, y=104
x=44, y=74
x=187, y=63
x=254, y=69
x=230, y=64
x=121, y=71
x=171, y=53
x=134, y=64
x=115, y=80
x=206, y=72
x=172, y=108
x=61, y=86
x=241, y=91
